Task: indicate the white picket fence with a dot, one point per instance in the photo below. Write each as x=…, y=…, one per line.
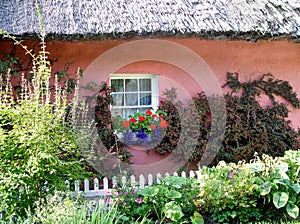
x=142, y=182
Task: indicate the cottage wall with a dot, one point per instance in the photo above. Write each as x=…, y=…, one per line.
x=249, y=59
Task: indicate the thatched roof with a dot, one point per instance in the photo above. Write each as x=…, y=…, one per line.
x=85, y=19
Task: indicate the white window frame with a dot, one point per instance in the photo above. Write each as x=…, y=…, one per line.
x=154, y=89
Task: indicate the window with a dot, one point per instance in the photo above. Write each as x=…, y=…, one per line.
x=133, y=93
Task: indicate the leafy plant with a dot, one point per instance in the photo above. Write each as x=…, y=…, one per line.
x=65, y=209
x=229, y=194
x=169, y=201
x=38, y=145
x=278, y=180
x=141, y=128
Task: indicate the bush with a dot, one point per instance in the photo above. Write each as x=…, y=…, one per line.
x=38, y=146
x=170, y=201
x=264, y=189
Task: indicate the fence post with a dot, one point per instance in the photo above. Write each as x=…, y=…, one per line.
x=86, y=185
x=96, y=184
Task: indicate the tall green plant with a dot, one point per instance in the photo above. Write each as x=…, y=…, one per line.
x=38, y=146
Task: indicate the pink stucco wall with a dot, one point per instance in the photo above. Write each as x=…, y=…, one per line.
x=215, y=58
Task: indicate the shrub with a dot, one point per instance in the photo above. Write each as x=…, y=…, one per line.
x=169, y=201
x=267, y=188
x=38, y=146
x=229, y=194
x=279, y=184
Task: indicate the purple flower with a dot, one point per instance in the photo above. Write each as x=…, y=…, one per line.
x=230, y=175
x=141, y=134
x=125, y=193
x=139, y=200
x=107, y=200
x=124, y=203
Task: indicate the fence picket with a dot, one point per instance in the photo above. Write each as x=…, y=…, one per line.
x=192, y=174
x=142, y=182
x=96, y=184
x=150, y=179
x=77, y=188
x=132, y=181
x=86, y=185
x=158, y=178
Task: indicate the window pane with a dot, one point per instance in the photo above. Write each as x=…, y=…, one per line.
x=131, y=99
x=130, y=111
x=145, y=84
x=118, y=99
x=145, y=99
x=143, y=110
x=117, y=85
x=131, y=85
x=115, y=112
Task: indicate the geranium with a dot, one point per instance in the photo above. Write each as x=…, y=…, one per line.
x=141, y=128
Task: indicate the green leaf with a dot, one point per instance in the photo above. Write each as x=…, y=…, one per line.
x=265, y=188
x=150, y=191
x=280, y=199
x=197, y=218
x=173, y=194
x=292, y=210
x=173, y=211
x=296, y=188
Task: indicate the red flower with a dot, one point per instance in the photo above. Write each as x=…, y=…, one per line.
x=125, y=124
x=152, y=126
x=148, y=112
x=132, y=120
x=163, y=124
x=142, y=118
x=154, y=115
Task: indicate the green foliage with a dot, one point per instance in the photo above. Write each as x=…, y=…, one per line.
x=279, y=183
x=228, y=192
x=169, y=201
x=267, y=188
x=38, y=145
x=64, y=209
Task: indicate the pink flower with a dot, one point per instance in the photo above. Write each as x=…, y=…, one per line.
x=152, y=126
x=163, y=124
x=230, y=175
x=139, y=200
x=125, y=124
x=107, y=200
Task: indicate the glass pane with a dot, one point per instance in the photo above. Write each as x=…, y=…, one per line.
x=117, y=111
x=145, y=99
x=117, y=85
x=145, y=84
x=131, y=99
x=130, y=111
x=143, y=110
x=118, y=99
x=131, y=85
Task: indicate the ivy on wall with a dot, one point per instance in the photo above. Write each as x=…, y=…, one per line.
x=250, y=127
